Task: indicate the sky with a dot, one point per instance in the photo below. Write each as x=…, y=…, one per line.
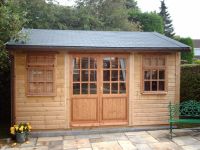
x=185, y=14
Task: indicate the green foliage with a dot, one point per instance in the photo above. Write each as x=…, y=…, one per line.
x=168, y=27
x=188, y=56
x=11, y=21
x=196, y=61
x=131, y=4
x=104, y=15
x=190, y=82
x=150, y=21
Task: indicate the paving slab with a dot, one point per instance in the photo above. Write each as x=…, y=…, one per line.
x=136, y=133
x=96, y=140
x=159, y=133
x=127, y=145
x=69, y=144
x=30, y=143
x=183, y=132
x=69, y=137
x=55, y=145
x=92, y=136
x=142, y=139
x=142, y=147
x=85, y=149
x=191, y=147
x=184, y=140
x=165, y=146
x=83, y=143
x=58, y=138
x=111, y=145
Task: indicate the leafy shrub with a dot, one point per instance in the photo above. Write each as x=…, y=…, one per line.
x=187, y=56
x=190, y=82
x=196, y=61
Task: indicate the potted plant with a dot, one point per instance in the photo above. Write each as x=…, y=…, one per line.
x=21, y=132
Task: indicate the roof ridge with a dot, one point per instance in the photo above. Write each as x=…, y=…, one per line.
x=24, y=29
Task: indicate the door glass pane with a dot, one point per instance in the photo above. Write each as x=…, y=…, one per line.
x=154, y=74
x=114, y=76
x=76, y=63
x=93, y=75
x=76, y=75
x=106, y=62
x=114, y=62
x=122, y=63
x=84, y=75
x=122, y=88
x=106, y=75
x=114, y=88
x=93, y=88
x=154, y=85
x=147, y=74
x=106, y=88
x=161, y=85
x=161, y=74
x=147, y=86
x=84, y=88
x=93, y=63
x=84, y=62
x=76, y=88
x=122, y=75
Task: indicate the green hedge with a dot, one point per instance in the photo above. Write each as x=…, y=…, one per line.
x=190, y=82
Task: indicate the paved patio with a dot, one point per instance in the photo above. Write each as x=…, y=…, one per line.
x=143, y=140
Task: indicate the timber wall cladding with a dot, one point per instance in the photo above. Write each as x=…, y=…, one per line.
x=43, y=112
x=152, y=109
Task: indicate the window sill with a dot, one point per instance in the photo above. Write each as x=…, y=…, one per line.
x=154, y=93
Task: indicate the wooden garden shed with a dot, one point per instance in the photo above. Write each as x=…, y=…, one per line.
x=65, y=78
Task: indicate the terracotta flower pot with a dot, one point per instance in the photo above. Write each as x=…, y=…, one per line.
x=20, y=137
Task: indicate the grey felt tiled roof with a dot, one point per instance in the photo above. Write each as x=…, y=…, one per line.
x=96, y=39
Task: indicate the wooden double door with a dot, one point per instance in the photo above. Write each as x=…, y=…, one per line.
x=99, y=89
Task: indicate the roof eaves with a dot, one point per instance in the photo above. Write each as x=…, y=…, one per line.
x=40, y=47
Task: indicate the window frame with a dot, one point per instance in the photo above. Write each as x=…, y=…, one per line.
x=154, y=68
x=45, y=67
x=81, y=69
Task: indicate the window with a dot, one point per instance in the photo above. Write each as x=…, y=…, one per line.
x=84, y=75
x=154, y=73
x=114, y=75
x=40, y=74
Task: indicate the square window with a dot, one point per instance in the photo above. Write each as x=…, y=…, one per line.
x=154, y=73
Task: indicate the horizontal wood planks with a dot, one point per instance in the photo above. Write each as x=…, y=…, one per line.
x=54, y=112
x=43, y=112
x=151, y=109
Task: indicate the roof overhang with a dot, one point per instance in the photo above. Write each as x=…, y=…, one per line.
x=94, y=49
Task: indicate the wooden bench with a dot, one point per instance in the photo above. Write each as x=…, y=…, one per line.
x=185, y=112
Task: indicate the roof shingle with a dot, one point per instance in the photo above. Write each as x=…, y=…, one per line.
x=96, y=39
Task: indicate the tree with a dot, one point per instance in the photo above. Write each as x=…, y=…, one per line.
x=187, y=56
x=11, y=22
x=168, y=27
x=131, y=4
x=149, y=21
x=107, y=14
